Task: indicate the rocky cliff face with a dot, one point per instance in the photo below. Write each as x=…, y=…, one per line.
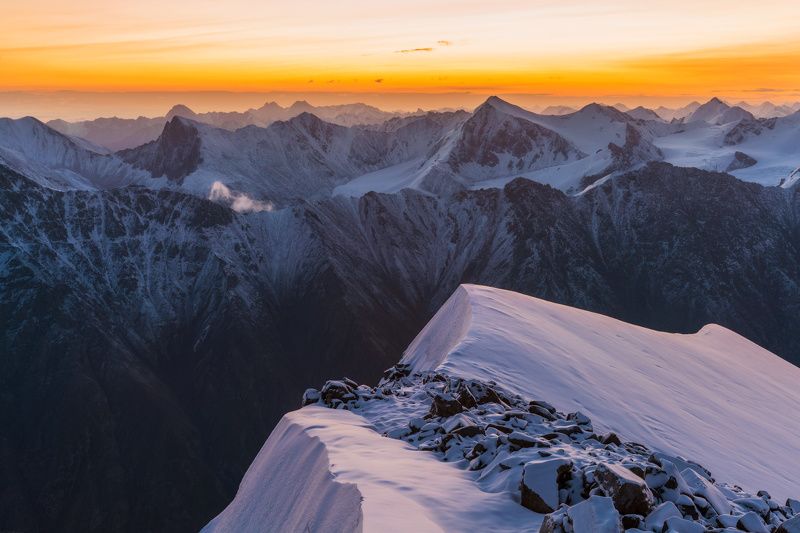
x=141, y=329
x=175, y=154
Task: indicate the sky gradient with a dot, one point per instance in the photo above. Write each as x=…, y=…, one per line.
x=560, y=50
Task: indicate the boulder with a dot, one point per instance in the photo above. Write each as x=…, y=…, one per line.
x=445, y=404
x=628, y=491
x=790, y=526
x=539, y=485
x=751, y=522
x=657, y=518
x=337, y=390
x=595, y=515
x=793, y=505
x=310, y=396
x=681, y=525
x=701, y=486
x=471, y=393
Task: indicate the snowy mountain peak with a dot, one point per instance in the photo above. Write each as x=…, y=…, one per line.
x=56, y=160
x=180, y=110
x=301, y=106
x=643, y=113
x=715, y=111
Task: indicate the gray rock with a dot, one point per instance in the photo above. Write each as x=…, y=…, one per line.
x=539, y=485
x=751, y=522
x=629, y=492
x=595, y=515
x=790, y=526
x=656, y=519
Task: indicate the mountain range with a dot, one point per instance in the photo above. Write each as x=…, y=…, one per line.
x=162, y=306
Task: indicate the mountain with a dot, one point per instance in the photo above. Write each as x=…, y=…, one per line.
x=759, y=150
x=120, y=134
x=715, y=111
x=57, y=161
x=558, y=110
x=178, y=321
x=113, y=133
x=677, y=113
x=494, y=143
x=301, y=158
x=767, y=109
x=643, y=113
x=505, y=407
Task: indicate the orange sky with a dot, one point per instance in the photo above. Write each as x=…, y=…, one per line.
x=566, y=50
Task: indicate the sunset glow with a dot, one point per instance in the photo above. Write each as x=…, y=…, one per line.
x=673, y=51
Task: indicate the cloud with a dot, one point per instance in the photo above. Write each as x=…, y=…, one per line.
x=444, y=43
x=379, y=80
x=766, y=90
x=413, y=50
x=238, y=201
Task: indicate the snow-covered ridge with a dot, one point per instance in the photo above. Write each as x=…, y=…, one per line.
x=713, y=396
x=496, y=455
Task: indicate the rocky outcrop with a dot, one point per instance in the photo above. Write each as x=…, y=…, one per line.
x=580, y=482
x=175, y=154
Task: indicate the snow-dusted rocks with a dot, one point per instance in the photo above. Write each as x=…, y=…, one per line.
x=540, y=483
x=790, y=526
x=629, y=491
x=596, y=514
x=552, y=464
x=645, y=385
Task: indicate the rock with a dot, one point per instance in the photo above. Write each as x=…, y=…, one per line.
x=595, y=515
x=611, y=438
x=790, y=526
x=628, y=491
x=551, y=524
x=445, y=404
x=632, y=521
x=726, y=520
x=793, y=505
x=336, y=390
x=579, y=418
x=471, y=393
x=468, y=431
x=757, y=505
x=656, y=519
x=539, y=485
x=705, y=488
x=751, y=522
x=310, y=396
x=540, y=411
x=521, y=440
x=681, y=525
x=682, y=464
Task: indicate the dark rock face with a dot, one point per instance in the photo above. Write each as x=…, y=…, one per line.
x=490, y=134
x=740, y=160
x=150, y=340
x=175, y=154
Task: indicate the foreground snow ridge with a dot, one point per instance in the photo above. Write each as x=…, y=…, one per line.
x=437, y=447
x=713, y=396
